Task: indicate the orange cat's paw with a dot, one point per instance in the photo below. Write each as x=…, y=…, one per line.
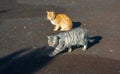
x=62, y=30
x=55, y=29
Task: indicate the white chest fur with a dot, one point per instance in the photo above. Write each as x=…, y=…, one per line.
x=52, y=21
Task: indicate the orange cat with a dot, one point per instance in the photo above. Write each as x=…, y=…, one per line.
x=61, y=21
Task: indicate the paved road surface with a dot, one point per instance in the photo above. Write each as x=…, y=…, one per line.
x=23, y=41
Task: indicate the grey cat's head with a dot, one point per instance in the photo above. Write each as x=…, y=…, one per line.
x=53, y=41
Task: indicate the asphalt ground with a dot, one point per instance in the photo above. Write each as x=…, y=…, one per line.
x=23, y=37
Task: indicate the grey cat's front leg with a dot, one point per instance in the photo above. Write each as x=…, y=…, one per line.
x=58, y=49
x=55, y=52
x=84, y=47
x=69, y=49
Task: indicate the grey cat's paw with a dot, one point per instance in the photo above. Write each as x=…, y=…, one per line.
x=70, y=50
x=84, y=48
x=51, y=55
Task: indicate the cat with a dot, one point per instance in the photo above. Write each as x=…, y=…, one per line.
x=61, y=21
x=67, y=39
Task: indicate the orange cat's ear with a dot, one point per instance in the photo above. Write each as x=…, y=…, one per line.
x=52, y=12
x=47, y=11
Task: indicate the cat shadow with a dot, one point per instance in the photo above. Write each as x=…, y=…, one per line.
x=94, y=40
x=25, y=61
x=76, y=24
x=3, y=11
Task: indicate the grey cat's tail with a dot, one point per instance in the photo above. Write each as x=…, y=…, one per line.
x=91, y=40
x=95, y=39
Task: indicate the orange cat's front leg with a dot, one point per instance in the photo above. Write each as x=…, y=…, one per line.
x=56, y=27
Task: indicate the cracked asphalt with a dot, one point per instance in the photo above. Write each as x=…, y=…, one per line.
x=23, y=37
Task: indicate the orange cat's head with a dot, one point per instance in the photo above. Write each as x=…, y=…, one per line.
x=50, y=15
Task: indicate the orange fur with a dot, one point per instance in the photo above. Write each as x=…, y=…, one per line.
x=61, y=21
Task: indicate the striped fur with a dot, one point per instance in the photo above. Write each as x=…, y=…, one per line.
x=67, y=39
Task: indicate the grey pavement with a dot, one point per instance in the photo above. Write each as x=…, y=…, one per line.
x=24, y=27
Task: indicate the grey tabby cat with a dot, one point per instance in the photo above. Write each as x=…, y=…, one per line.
x=67, y=39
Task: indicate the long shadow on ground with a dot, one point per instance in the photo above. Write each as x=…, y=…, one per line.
x=27, y=63
x=3, y=11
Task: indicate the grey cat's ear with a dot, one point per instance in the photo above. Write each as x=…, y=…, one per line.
x=48, y=37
